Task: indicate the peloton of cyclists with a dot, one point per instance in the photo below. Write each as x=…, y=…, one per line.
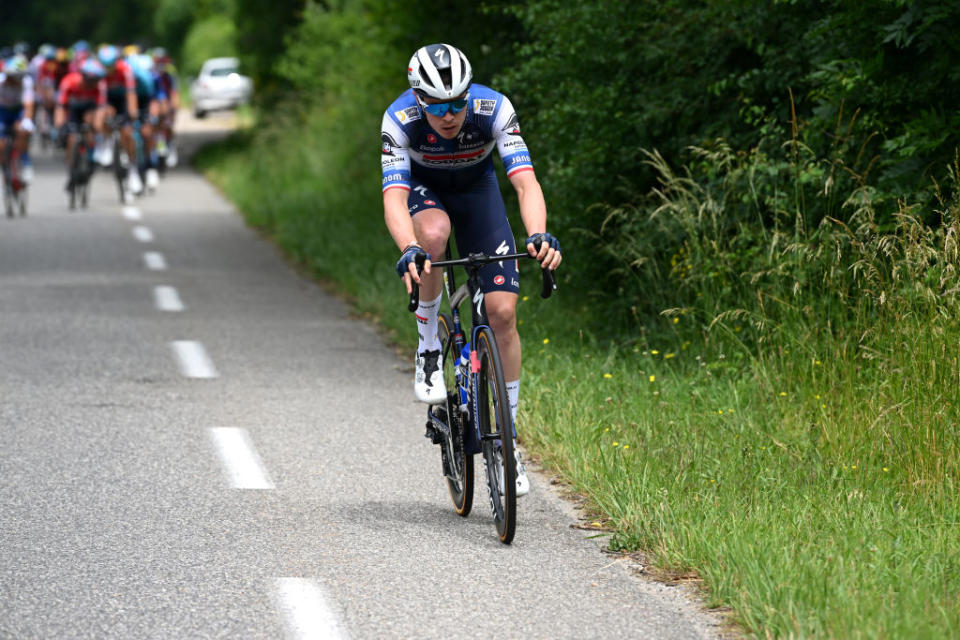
x=17, y=111
x=437, y=143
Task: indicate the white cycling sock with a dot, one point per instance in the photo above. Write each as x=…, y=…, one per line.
x=427, y=314
x=513, y=396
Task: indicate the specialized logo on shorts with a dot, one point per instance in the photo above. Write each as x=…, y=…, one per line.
x=499, y=280
x=432, y=139
x=388, y=144
x=484, y=107
x=513, y=126
x=407, y=115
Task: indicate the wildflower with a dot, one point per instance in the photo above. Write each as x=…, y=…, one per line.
x=729, y=410
x=626, y=446
x=667, y=356
x=676, y=320
x=546, y=341
x=608, y=375
x=607, y=430
x=886, y=469
x=654, y=352
x=653, y=378
x=823, y=406
x=818, y=363
x=783, y=394
x=525, y=298
x=817, y=396
x=853, y=467
x=616, y=444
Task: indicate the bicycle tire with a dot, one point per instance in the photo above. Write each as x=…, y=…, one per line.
x=496, y=431
x=119, y=172
x=460, y=487
x=18, y=186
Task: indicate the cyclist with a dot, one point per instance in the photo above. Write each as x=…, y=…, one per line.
x=437, y=143
x=168, y=104
x=81, y=100
x=45, y=69
x=16, y=111
x=122, y=110
x=149, y=109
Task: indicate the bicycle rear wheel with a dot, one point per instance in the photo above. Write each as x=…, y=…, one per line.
x=459, y=463
x=496, y=433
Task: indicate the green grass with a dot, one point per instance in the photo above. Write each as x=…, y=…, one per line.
x=807, y=476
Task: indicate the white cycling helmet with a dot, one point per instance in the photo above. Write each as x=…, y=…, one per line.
x=439, y=71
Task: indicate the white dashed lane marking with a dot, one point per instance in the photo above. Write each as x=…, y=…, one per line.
x=167, y=299
x=143, y=234
x=193, y=360
x=243, y=466
x=305, y=610
x=132, y=213
x=155, y=261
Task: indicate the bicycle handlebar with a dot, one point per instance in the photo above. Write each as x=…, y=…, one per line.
x=548, y=286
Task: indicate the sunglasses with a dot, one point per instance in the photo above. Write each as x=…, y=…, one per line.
x=440, y=109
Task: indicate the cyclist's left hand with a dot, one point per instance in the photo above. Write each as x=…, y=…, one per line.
x=549, y=255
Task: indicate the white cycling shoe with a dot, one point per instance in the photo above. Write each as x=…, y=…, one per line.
x=428, y=382
x=523, y=482
x=134, y=181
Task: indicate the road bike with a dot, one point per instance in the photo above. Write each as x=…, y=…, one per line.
x=119, y=160
x=14, y=188
x=475, y=416
x=81, y=165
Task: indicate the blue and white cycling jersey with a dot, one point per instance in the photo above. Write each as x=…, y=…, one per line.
x=413, y=150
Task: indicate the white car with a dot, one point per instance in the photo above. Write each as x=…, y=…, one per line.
x=219, y=86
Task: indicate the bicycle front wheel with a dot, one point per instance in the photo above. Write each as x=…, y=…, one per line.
x=459, y=467
x=496, y=431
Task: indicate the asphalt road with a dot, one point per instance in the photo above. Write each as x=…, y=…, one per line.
x=197, y=442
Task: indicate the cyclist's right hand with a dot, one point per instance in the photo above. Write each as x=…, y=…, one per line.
x=407, y=265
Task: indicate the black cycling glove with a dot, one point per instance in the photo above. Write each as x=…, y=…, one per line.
x=409, y=255
x=545, y=238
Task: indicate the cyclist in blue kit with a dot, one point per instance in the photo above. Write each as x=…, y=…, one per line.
x=437, y=143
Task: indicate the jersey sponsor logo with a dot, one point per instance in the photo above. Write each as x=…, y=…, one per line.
x=517, y=158
x=515, y=145
x=422, y=190
x=394, y=177
x=514, y=282
x=387, y=163
x=387, y=144
x=432, y=139
x=499, y=280
x=429, y=203
x=484, y=107
x=407, y=115
x=513, y=126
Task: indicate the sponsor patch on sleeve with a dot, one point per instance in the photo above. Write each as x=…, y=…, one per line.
x=484, y=106
x=407, y=115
